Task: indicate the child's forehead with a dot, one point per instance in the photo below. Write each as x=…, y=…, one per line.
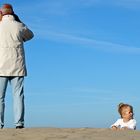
x=126, y=108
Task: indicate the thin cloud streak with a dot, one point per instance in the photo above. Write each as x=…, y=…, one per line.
x=50, y=7
x=129, y=3
x=123, y=3
x=87, y=42
x=63, y=7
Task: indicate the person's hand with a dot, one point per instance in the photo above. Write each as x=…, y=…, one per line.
x=114, y=128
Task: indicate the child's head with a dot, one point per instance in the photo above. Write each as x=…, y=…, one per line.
x=7, y=9
x=126, y=111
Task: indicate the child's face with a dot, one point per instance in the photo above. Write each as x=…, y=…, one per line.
x=127, y=113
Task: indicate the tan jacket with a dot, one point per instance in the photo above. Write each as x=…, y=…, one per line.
x=12, y=36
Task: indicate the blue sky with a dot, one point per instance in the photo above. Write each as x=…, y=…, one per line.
x=83, y=61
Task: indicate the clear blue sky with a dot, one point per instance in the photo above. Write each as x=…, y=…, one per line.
x=83, y=61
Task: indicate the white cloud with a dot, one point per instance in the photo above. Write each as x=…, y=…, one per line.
x=88, y=42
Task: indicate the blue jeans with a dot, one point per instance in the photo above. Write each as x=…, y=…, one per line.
x=17, y=84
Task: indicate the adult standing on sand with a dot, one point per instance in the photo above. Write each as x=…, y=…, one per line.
x=12, y=62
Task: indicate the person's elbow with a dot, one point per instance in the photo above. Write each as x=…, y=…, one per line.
x=28, y=36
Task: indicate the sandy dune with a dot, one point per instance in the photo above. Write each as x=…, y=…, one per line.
x=67, y=134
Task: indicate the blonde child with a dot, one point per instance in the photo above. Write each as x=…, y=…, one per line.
x=126, y=121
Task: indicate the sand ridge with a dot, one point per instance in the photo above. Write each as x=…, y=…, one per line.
x=67, y=134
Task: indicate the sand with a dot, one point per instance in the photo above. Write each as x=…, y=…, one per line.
x=67, y=134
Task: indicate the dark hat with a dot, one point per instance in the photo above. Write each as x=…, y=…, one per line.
x=7, y=9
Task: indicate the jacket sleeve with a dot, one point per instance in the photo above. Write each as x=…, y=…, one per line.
x=27, y=34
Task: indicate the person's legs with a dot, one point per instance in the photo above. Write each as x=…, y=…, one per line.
x=18, y=99
x=3, y=86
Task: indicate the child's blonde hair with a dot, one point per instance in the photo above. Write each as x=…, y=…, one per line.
x=121, y=106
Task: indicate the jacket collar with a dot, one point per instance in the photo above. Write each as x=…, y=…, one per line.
x=8, y=17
